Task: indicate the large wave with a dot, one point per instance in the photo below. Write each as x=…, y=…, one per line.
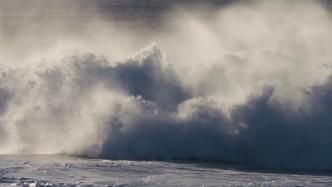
x=252, y=86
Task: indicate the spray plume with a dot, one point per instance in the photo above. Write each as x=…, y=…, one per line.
x=248, y=83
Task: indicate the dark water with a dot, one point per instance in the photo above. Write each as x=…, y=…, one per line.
x=137, y=13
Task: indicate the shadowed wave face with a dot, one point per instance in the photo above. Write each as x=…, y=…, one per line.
x=247, y=83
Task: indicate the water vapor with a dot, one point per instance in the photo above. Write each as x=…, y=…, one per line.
x=246, y=83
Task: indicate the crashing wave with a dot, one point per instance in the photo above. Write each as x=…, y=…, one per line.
x=260, y=96
x=139, y=109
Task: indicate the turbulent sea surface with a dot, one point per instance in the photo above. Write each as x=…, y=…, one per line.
x=53, y=170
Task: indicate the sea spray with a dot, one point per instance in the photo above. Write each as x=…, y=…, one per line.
x=251, y=84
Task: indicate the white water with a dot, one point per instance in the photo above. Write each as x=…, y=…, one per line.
x=50, y=170
x=247, y=83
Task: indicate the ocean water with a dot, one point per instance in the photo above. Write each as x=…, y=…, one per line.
x=59, y=170
x=152, y=81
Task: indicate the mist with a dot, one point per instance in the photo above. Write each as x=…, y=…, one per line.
x=245, y=82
